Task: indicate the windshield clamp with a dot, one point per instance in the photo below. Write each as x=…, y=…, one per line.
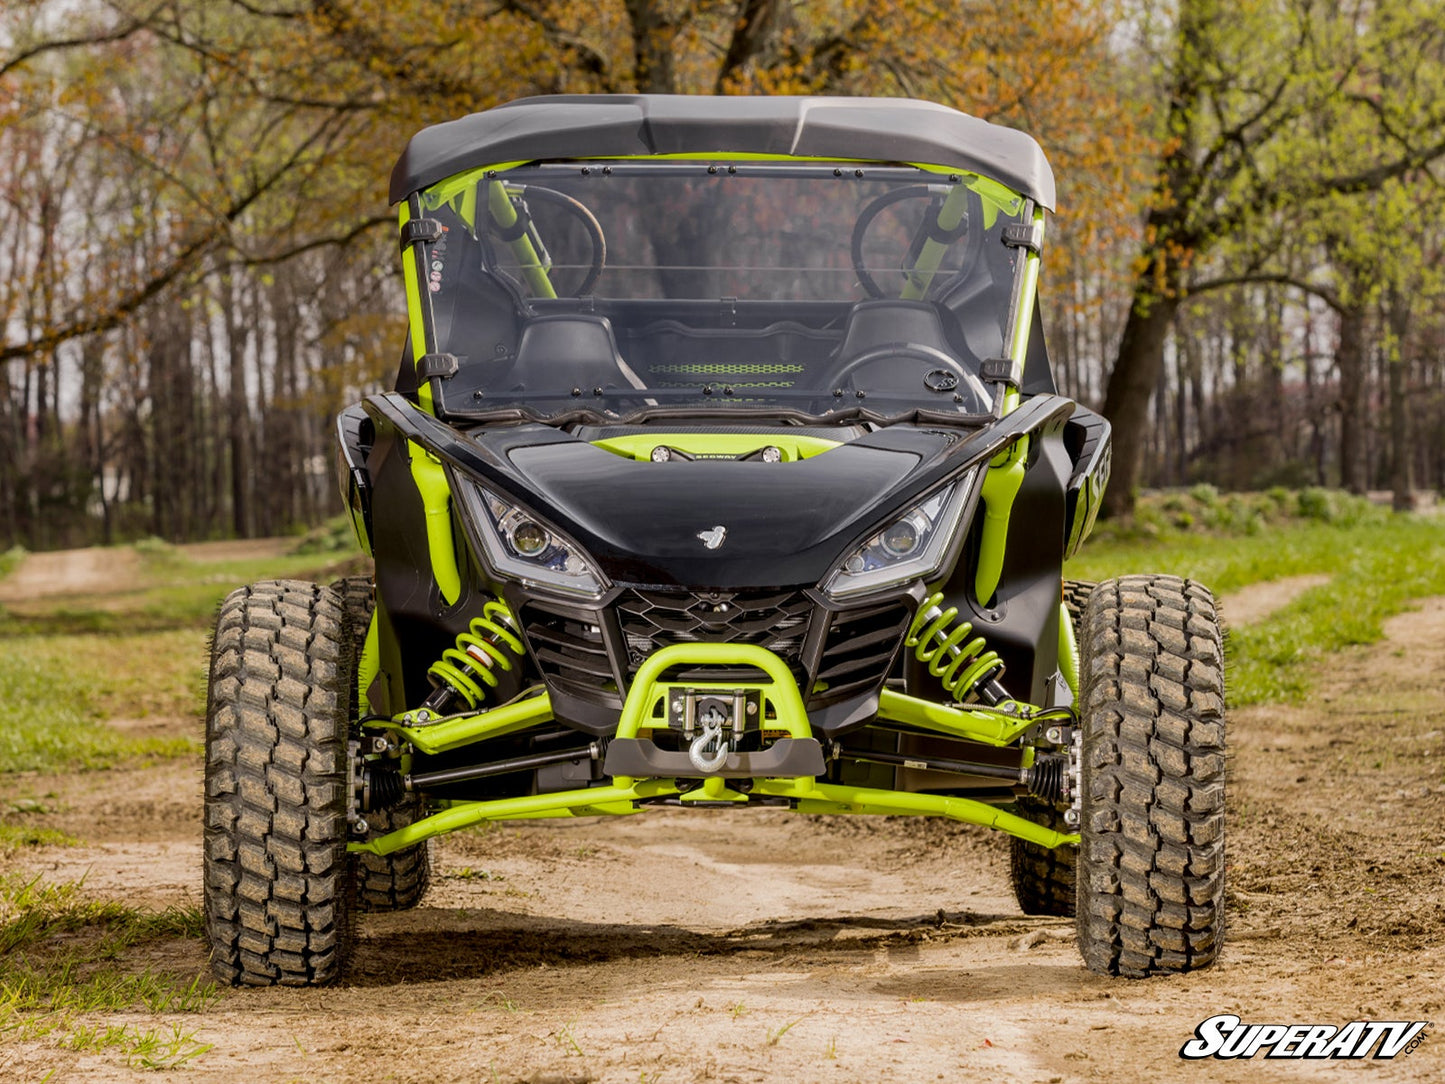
x=1026, y=235
x=427, y=230
x=999, y=371
x=436, y=365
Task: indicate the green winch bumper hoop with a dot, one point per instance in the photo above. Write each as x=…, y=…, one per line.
x=641, y=711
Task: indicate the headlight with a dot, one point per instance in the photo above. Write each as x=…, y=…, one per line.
x=523, y=547
x=912, y=547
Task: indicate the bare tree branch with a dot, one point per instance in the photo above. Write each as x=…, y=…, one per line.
x=53, y=45
x=592, y=59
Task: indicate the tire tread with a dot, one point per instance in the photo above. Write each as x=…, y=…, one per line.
x=1151, y=894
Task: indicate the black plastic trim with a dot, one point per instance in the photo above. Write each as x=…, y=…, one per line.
x=426, y=230
x=641, y=758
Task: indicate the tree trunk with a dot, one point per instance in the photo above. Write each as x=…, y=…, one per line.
x=1159, y=284
x=238, y=408
x=653, y=32
x=1132, y=382
x=1350, y=358
x=1402, y=482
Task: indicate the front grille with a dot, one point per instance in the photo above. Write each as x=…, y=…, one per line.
x=859, y=650
x=776, y=620
x=848, y=654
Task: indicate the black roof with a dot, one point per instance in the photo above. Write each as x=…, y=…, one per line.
x=616, y=125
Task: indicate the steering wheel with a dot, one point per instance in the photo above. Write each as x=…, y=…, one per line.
x=597, y=257
x=945, y=375
x=968, y=227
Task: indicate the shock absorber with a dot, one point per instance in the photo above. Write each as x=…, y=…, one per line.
x=965, y=667
x=489, y=644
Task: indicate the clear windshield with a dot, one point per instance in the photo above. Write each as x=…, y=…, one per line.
x=629, y=286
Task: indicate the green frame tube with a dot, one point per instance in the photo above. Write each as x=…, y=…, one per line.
x=639, y=713
x=812, y=797
x=499, y=206
x=993, y=727
x=919, y=277
x=456, y=731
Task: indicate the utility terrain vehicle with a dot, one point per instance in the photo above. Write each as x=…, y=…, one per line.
x=724, y=468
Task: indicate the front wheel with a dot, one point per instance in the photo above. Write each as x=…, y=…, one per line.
x=1151, y=853
x=396, y=881
x=278, y=880
x=1044, y=879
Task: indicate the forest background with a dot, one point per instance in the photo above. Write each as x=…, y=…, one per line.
x=197, y=260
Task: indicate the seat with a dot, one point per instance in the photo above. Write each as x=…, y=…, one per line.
x=897, y=349
x=565, y=351
x=872, y=324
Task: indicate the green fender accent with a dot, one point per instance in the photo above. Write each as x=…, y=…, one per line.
x=368, y=666
x=992, y=727
x=505, y=215
x=919, y=277
x=1086, y=507
x=1000, y=487
x=1068, y=652
x=459, y=730
x=729, y=445
x=436, y=498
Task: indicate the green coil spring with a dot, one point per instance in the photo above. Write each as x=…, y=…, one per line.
x=487, y=646
x=963, y=668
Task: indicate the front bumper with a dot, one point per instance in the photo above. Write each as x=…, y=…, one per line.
x=785, y=771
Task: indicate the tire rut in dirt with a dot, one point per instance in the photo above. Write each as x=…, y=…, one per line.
x=397, y=881
x=278, y=879
x=1151, y=859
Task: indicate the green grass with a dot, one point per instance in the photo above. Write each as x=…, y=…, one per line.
x=67, y=666
x=17, y=837
x=174, y=592
x=62, y=960
x=57, y=694
x=1377, y=562
x=81, y=679
x=9, y=559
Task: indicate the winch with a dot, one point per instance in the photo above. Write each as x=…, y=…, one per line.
x=712, y=722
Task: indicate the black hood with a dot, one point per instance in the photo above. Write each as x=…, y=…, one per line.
x=782, y=524
x=787, y=524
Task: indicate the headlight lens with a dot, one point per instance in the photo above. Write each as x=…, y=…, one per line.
x=911, y=547
x=520, y=546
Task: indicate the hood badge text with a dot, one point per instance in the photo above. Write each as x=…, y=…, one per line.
x=714, y=538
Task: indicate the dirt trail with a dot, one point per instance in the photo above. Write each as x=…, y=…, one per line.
x=1259, y=600
x=112, y=570
x=97, y=570
x=760, y=946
